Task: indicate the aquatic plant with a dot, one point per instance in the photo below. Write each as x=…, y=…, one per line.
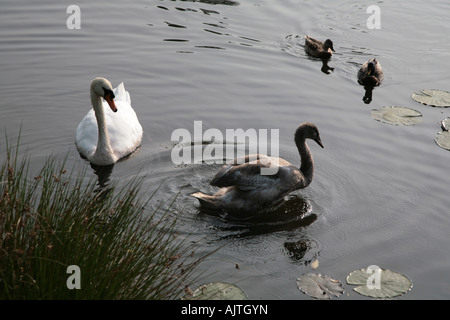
x=319, y=286
x=391, y=284
x=433, y=97
x=55, y=219
x=443, y=138
x=397, y=115
x=217, y=291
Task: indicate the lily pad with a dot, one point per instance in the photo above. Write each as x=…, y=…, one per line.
x=379, y=283
x=319, y=286
x=219, y=291
x=433, y=97
x=397, y=115
x=443, y=140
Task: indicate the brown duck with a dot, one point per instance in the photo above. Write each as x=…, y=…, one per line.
x=319, y=49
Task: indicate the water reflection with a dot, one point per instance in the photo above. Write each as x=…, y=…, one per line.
x=173, y=25
x=214, y=27
x=220, y=2
x=325, y=68
x=368, y=94
x=298, y=250
x=287, y=223
x=103, y=173
x=290, y=214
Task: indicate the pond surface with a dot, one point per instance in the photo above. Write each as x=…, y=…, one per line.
x=380, y=192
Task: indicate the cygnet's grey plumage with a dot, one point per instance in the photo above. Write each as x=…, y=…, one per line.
x=245, y=189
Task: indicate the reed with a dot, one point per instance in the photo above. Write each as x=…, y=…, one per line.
x=59, y=218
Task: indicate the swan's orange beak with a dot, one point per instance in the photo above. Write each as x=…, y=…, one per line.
x=110, y=99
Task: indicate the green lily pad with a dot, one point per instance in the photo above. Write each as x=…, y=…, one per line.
x=219, y=291
x=319, y=286
x=379, y=283
x=443, y=140
x=433, y=97
x=397, y=115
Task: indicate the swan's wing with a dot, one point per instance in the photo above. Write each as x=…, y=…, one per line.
x=124, y=129
x=86, y=136
x=246, y=175
x=122, y=94
x=249, y=158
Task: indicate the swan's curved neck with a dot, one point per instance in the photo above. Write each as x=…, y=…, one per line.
x=307, y=162
x=104, y=149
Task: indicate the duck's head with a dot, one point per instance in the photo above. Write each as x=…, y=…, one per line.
x=328, y=45
x=102, y=87
x=308, y=130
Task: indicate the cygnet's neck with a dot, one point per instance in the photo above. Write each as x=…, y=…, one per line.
x=307, y=162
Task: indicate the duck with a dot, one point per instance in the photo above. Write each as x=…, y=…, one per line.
x=111, y=130
x=319, y=49
x=243, y=187
x=371, y=73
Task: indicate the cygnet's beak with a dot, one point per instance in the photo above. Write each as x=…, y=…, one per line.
x=319, y=142
x=109, y=97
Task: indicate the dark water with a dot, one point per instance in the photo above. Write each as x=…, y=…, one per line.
x=380, y=192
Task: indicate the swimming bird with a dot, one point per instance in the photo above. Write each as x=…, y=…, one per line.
x=371, y=73
x=111, y=129
x=319, y=49
x=245, y=190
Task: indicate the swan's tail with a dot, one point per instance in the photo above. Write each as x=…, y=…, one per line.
x=206, y=201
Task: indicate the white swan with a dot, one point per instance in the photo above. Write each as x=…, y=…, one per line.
x=244, y=189
x=108, y=133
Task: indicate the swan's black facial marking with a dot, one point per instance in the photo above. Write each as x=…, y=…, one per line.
x=109, y=97
x=108, y=93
